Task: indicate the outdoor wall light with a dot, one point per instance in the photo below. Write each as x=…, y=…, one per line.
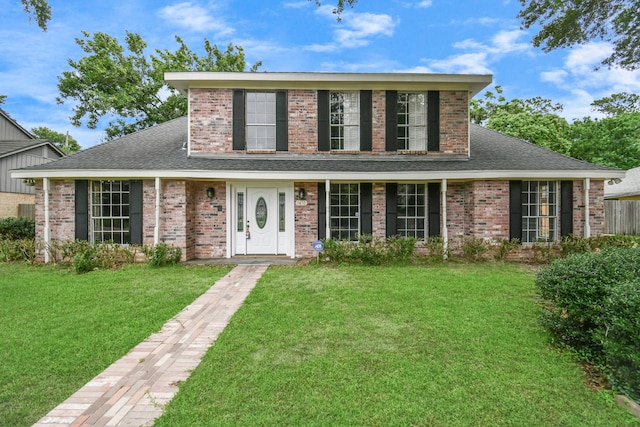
x=302, y=194
x=211, y=192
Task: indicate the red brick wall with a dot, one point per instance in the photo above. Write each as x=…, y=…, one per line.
x=490, y=209
x=306, y=221
x=210, y=223
x=454, y=123
x=303, y=121
x=379, y=210
x=211, y=121
x=596, y=207
x=211, y=117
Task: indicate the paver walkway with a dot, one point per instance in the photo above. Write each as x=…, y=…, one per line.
x=133, y=391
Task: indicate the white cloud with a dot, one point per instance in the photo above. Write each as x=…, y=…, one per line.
x=297, y=4
x=467, y=63
x=479, y=56
x=582, y=83
x=194, y=17
x=355, y=29
x=554, y=76
x=424, y=3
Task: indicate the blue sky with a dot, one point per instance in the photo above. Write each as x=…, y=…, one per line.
x=430, y=36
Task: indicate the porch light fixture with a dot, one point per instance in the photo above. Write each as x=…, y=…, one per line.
x=211, y=192
x=302, y=194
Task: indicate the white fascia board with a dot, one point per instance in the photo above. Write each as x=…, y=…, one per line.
x=317, y=176
x=473, y=83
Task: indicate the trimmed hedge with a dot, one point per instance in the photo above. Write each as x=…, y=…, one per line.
x=594, y=309
x=17, y=228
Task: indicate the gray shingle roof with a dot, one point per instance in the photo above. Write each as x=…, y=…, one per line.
x=160, y=148
x=8, y=148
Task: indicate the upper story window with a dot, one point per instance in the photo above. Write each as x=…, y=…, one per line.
x=412, y=121
x=261, y=120
x=345, y=120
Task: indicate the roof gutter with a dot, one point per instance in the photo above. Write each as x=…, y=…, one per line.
x=317, y=176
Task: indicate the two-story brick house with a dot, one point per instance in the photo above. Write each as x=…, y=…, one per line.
x=268, y=163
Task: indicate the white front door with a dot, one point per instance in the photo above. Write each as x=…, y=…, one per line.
x=262, y=221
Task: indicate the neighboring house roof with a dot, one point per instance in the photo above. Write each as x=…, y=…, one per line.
x=161, y=151
x=28, y=134
x=9, y=148
x=629, y=187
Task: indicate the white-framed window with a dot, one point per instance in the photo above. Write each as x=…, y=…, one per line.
x=261, y=120
x=539, y=211
x=411, y=210
x=345, y=211
x=412, y=121
x=344, y=120
x=110, y=211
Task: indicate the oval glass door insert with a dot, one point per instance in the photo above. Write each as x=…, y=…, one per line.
x=261, y=212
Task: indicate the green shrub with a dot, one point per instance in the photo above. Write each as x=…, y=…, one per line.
x=474, y=248
x=435, y=249
x=87, y=257
x=370, y=251
x=504, y=247
x=594, y=309
x=12, y=250
x=162, y=254
x=17, y=228
x=620, y=337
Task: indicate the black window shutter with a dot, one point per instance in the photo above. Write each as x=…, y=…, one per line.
x=366, y=120
x=238, y=120
x=433, y=120
x=433, y=205
x=82, y=210
x=392, y=209
x=515, y=210
x=135, y=211
x=323, y=121
x=566, y=208
x=366, y=208
x=322, y=211
x=391, y=120
x=282, y=121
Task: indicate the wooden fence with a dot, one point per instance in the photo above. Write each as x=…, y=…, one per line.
x=27, y=211
x=622, y=217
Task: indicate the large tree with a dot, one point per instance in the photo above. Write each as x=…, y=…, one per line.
x=125, y=84
x=570, y=22
x=66, y=143
x=40, y=10
x=618, y=103
x=612, y=141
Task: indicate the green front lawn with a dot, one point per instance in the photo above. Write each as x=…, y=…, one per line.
x=444, y=345
x=59, y=329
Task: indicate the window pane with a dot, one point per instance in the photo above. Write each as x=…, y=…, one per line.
x=411, y=209
x=110, y=211
x=539, y=209
x=345, y=205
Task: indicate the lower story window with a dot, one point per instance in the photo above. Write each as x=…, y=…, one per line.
x=539, y=211
x=410, y=221
x=345, y=211
x=110, y=211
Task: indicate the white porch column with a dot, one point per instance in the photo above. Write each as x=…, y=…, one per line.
x=47, y=232
x=445, y=230
x=587, y=225
x=156, y=227
x=327, y=214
